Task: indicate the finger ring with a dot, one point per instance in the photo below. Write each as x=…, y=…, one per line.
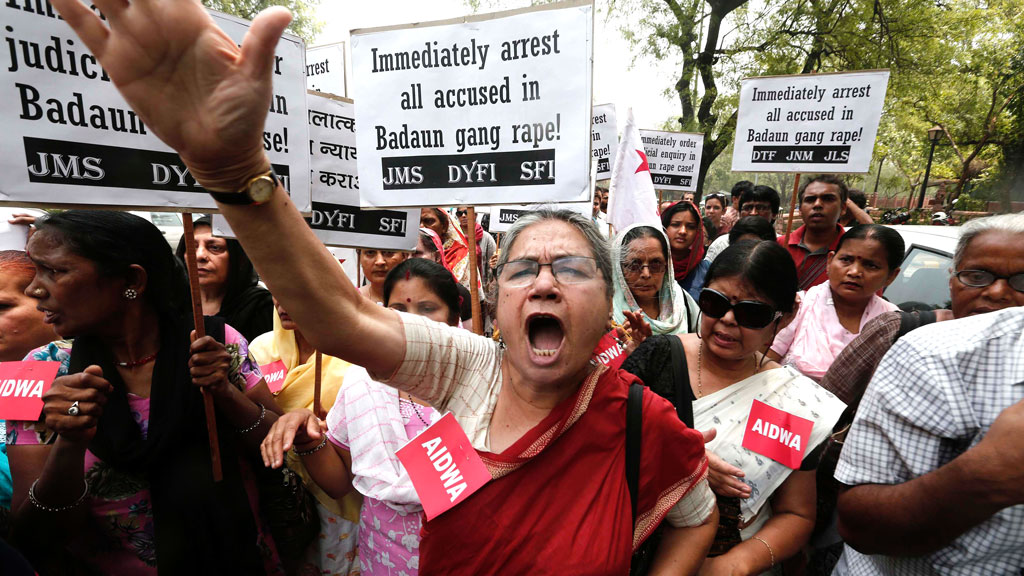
x=73, y=410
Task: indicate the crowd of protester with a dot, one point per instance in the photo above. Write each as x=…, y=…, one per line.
x=912, y=461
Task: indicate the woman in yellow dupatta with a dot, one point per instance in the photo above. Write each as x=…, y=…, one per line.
x=335, y=549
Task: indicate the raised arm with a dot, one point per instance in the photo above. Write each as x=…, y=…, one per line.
x=208, y=99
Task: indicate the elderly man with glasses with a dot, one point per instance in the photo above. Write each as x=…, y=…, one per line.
x=933, y=466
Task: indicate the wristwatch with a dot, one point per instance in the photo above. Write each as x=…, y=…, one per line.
x=256, y=190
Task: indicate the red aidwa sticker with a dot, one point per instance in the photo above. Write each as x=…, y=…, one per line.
x=22, y=385
x=443, y=466
x=777, y=434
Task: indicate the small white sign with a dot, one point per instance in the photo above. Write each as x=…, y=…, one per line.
x=604, y=139
x=503, y=217
x=491, y=109
x=70, y=138
x=337, y=219
x=674, y=158
x=809, y=122
x=325, y=69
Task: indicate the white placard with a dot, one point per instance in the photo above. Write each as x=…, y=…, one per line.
x=604, y=139
x=809, y=122
x=325, y=69
x=503, y=217
x=70, y=138
x=491, y=109
x=337, y=219
x=674, y=158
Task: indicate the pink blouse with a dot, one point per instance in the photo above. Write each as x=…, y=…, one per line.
x=814, y=339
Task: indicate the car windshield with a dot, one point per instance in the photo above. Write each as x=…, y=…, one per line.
x=923, y=281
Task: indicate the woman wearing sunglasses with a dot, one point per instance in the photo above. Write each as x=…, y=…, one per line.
x=766, y=508
x=643, y=279
x=866, y=260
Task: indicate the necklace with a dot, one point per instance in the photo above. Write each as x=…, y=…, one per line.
x=700, y=369
x=415, y=409
x=139, y=362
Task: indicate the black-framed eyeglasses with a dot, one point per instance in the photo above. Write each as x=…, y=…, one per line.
x=566, y=270
x=461, y=213
x=748, y=313
x=634, y=267
x=983, y=278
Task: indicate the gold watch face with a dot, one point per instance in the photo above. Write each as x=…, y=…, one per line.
x=261, y=189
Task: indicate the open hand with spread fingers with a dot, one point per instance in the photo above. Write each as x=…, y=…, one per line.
x=189, y=82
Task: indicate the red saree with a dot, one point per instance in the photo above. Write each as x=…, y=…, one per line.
x=559, y=503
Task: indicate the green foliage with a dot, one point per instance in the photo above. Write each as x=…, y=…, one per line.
x=305, y=23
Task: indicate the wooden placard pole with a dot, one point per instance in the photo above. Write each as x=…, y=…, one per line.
x=197, y=316
x=474, y=271
x=792, y=207
x=318, y=408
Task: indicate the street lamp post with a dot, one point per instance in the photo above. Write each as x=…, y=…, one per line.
x=933, y=135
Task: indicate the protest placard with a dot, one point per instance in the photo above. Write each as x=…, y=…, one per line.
x=325, y=69
x=674, y=158
x=604, y=139
x=503, y=217
x=70, y=138
x=337, y=219
x=483, y=110
x=809, y=122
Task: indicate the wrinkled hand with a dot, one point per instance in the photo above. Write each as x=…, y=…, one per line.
x=1004, y=452
x=635, y=329
x=210, y=365
x=90, y=390
x=192, y=86
x=297, y=428
x=724, y=478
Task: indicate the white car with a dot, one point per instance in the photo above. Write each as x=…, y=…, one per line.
x=169, y=224
x=923, y=281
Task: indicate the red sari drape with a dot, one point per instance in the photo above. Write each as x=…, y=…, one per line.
x=559, y=503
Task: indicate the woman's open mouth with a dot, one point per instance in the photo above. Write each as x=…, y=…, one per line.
x=545, y=334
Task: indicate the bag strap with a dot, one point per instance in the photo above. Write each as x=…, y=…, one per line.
x=634, y=419
x=681, y=382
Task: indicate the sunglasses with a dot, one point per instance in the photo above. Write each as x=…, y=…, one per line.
x=748, y=313
x=460, y=213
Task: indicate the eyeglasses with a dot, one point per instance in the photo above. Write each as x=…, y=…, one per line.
x=566, y=270
x=748, y=313
x=461, y=213
x=983, y=278
x=752, y=207
x=634, y=267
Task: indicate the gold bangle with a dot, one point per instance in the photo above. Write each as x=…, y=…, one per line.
x=768, y=546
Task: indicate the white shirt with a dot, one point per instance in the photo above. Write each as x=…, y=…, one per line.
x=935, y=395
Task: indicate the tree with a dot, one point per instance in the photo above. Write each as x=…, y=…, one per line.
x=305, y=23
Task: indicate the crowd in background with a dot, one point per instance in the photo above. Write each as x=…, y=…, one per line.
x=636, y=464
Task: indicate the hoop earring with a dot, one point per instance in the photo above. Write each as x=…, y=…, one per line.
x=131, y=294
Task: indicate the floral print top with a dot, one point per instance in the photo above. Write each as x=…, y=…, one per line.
x=119, y=537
